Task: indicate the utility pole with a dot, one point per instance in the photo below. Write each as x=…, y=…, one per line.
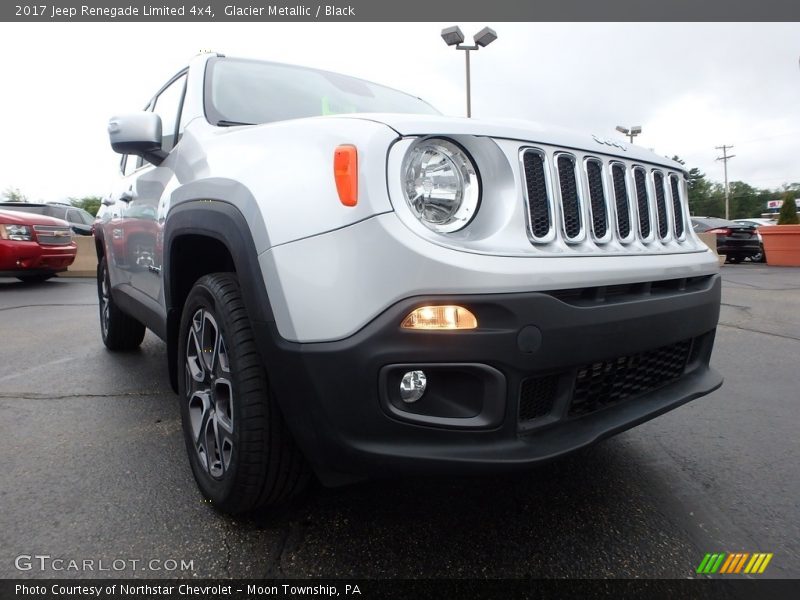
x=724, y=158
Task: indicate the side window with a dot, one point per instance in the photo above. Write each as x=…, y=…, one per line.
x=168, y=106
x=73, y=216
x=132, y=162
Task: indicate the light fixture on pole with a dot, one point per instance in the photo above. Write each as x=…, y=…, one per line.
x=632, y=132
x=453, y=36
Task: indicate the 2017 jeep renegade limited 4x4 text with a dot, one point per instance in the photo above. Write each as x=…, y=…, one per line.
x=350, y=284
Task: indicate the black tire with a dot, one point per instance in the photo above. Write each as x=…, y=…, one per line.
x=118, y=330
x=241, y=453
x=35, y=278
x=734, y=260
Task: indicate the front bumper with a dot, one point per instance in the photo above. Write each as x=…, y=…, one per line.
x=544, y=374
x=31, y=258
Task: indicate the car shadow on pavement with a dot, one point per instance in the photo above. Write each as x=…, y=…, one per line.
x=590, y=514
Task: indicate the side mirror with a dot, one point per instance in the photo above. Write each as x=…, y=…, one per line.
x=137, y=133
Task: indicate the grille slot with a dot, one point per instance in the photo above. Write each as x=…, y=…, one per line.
x=540, y=218
x=642, y=202
x=608, y=382
x=53, y=235
x=536, y=397
x=597, y=198
x=661, y=204
x=621, y=200
x=570, y=202
x=677, y=209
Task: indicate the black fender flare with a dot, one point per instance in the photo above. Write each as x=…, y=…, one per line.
x=222, y=221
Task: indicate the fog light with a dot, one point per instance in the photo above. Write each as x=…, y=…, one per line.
x=440, y=317
x=412, y=386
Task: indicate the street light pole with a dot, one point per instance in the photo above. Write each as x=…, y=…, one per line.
x=454, y=37
x=631, y=133
x=469, y=91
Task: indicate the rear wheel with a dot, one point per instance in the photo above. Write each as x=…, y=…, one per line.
x=118, y=330
x=760, y=257
x=241, y=453
x=734, y=259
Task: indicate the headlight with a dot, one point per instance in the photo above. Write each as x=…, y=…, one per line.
x=17, y=233
x=441, y=185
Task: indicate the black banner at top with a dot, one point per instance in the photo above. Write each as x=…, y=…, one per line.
x=399, y=10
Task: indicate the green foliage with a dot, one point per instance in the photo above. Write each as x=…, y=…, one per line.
x=14, y=194
x=701, y=199
x=788, y=213
x=90, y=204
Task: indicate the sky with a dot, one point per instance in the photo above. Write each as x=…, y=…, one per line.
x=691, y=86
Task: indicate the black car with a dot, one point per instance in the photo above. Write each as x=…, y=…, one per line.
x=734, y=240
x=79, y=220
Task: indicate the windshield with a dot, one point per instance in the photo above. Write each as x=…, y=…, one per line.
x=249, y=92
x=23, y=207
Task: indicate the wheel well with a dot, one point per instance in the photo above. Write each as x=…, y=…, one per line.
x=191, y=257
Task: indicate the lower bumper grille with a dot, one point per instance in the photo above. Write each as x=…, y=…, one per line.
x=604, y=383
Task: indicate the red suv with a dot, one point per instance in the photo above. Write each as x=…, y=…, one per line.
x=34, y=247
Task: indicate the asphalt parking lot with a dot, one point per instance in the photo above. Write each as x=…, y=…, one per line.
x=94, y=468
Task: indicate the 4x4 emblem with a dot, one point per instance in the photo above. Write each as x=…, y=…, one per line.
x=609, y=142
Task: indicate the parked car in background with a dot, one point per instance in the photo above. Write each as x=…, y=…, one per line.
x=735, y=241
x=79, y=220
x=34, y=247
x=757, y=222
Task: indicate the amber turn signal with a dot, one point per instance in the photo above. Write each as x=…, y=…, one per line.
x=440, y=318
x=345, y=171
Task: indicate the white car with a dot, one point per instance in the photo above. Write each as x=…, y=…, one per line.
x=351, y=284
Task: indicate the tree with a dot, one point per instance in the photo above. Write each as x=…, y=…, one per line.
x=90, y=204
x=701, y=195
x=788, y=213
x=13, y=194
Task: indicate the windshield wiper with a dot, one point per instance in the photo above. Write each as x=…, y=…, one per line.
x=224, y=123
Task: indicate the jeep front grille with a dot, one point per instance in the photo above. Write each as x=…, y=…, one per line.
x=53, y=235
x=617, y=201
x=570, y=202
x=621, y=201
x=642, y=202
x=677, y=207
x=597, y=198
x=661, y=205
x=539, y=213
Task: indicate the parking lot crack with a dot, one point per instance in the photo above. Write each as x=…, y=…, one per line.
x=35, y=396
x=750, y=330
x=46, y=305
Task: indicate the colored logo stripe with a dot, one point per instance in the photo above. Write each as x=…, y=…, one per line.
x=724, y=563
x=711, y=563
x=758, y=563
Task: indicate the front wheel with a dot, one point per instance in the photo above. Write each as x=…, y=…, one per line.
x=241, y=453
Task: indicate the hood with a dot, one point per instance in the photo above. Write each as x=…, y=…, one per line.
x=13, y=217
x=515, y=129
